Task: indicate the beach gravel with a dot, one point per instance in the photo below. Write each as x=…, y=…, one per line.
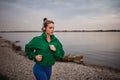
x=17, y=67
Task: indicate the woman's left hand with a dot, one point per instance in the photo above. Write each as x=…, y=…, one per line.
x=52, y=47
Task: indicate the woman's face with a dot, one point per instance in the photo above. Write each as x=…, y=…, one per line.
x=49, y=29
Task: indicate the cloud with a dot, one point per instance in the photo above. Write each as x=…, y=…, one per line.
x=82, y=14
x=15, y=16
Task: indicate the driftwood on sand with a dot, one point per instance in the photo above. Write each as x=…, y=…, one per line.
x=72, y=58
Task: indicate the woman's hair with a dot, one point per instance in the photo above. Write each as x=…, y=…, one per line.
x=45, y=23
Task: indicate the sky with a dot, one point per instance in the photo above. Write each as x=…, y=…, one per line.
x=18, y=15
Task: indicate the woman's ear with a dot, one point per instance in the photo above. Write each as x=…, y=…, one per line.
x=43, y=29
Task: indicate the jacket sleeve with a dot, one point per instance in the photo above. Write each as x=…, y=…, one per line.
x=30, y=48
x=59, y=53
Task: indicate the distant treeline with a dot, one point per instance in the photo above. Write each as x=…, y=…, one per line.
x=88, y=31
x=66, y=31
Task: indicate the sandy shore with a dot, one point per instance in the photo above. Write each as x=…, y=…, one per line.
x=16, y=67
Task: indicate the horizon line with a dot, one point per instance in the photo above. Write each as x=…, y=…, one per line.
x=110, y=30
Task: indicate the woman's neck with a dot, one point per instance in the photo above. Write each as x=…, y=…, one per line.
x=48, y=38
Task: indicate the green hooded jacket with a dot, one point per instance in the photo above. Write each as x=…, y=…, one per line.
x=39, y=45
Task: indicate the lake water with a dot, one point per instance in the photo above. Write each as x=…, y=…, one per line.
x=101, y=48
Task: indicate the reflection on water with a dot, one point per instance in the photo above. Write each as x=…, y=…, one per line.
x=101, y=48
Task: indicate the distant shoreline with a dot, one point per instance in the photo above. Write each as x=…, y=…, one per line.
x=64, y=31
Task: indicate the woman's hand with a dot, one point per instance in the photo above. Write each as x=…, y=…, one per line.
x=52, y=47
x=38, y=57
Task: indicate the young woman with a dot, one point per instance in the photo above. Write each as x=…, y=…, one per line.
x=44, y=49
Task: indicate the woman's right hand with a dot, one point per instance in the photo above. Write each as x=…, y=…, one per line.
x=38, y=57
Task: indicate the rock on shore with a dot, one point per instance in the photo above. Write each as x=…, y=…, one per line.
x=18, y=67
